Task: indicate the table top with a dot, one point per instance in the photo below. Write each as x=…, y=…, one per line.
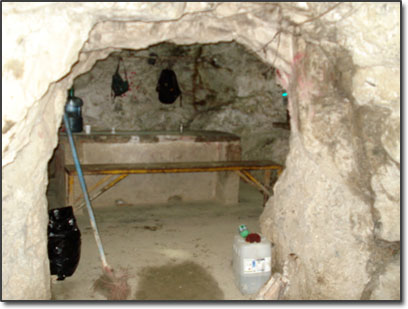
x=154, y=136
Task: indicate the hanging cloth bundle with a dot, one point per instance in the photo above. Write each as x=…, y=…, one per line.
x=167, y=87
x=119, y=86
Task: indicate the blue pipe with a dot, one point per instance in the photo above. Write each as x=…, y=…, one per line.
x=85, y=192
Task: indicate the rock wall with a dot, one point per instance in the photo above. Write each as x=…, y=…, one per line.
x=347, y=232
x=224, y=87
x=340, y=64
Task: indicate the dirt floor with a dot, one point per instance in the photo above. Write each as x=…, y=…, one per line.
x=175, y=251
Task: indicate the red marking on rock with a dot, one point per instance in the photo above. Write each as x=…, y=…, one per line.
x=298, y=57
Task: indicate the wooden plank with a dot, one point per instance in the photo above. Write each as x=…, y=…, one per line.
x=255, y=181
x=104, y=189
x=175, y=167
x=267, y=182
x=94, y=187
x=240, y=167
x=247, y=180
x=71, y=192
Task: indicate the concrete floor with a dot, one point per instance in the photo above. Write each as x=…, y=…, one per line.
x=151, y=241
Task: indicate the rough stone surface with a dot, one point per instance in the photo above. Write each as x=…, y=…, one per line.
x=224, y=87
x=388, y=282
x=340, y=64
x=336, y=146
x=385, y=183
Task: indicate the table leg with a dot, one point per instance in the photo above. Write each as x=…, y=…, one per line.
x=104, y=189
x=71, y=189
x=94, y=187
x=267, y=182
x=256, y=182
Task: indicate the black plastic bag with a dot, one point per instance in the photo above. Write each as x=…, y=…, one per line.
x=119, y=86
x=64, y=242
x=167, y=87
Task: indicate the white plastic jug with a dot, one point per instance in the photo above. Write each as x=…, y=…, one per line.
x=251, y=263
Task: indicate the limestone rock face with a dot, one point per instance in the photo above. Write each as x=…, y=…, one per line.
x=388, y=282
x=335, y=206
x=345, y=138
x=224, y=87
x=387, y=201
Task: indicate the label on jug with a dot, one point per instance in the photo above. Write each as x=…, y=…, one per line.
x=257, y=265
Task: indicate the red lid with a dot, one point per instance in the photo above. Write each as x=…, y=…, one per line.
x=253, y=237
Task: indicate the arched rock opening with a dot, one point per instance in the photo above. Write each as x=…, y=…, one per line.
x=224, y=87
x=336, y=206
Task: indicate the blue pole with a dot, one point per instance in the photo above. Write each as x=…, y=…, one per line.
x=85, y=192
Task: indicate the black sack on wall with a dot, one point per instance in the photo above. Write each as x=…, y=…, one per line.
x=167, y=87
x=119, y=86
x=64, y=242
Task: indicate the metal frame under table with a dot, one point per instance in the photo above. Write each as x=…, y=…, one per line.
x=242, y=168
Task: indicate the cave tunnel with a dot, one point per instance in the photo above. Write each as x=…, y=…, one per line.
x=313, y=87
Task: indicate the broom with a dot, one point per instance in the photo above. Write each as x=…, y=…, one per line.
x=117, y=287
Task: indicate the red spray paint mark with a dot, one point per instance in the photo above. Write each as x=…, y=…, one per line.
x=284, y=80
x=298, y=57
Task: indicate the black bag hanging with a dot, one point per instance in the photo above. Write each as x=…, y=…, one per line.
x=119, y=86
x=167, y=87
x=64, y=242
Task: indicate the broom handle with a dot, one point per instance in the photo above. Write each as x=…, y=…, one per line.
x=85, y=192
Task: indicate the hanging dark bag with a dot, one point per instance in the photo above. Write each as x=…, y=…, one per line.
x=167, y=87
x=64, y=242
x=119, y=86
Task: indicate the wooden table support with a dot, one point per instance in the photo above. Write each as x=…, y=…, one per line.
x=104, y=189
x=267, y=183
x=93, y=187
x=242, y=168
x=70, y=189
